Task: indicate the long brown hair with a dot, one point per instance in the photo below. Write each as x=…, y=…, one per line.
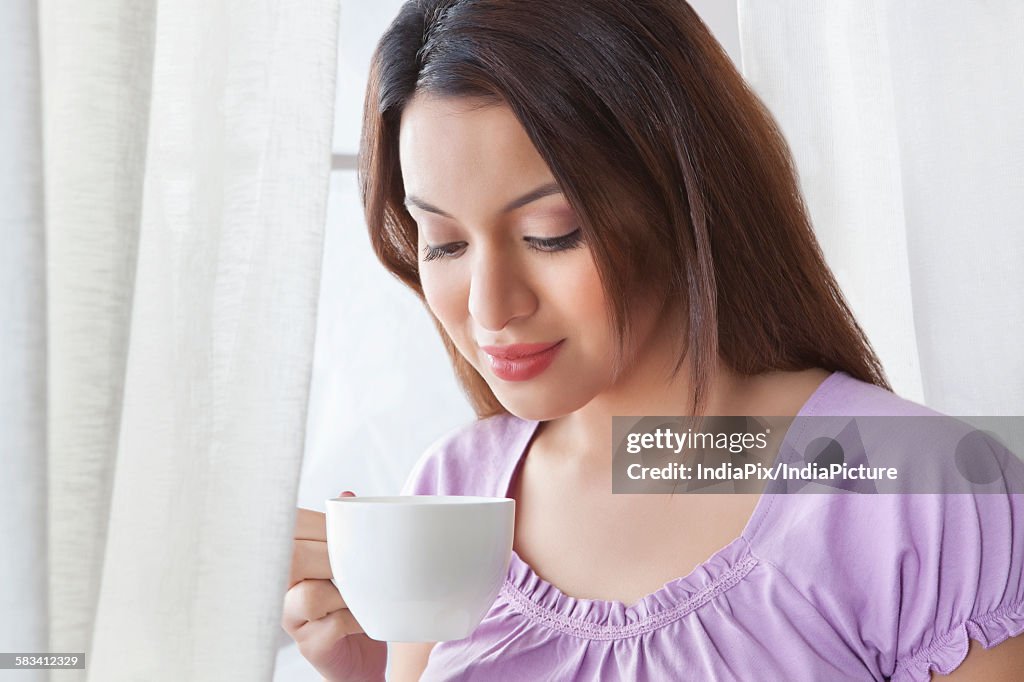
x=678, y=173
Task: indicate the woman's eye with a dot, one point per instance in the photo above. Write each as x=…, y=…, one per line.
x=443, y=251
x=567, y=241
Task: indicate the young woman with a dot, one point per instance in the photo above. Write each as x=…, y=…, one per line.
x=604, y=220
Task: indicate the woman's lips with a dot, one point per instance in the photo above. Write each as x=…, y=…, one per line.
x=523, y=361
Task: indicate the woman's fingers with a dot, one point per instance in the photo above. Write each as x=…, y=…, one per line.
x=332, y=627
x=315, y=614
x=310, y=600
x=309, y=560
x=309, y=555
x=310, y=525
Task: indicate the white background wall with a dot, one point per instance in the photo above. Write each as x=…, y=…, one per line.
x=383, y=388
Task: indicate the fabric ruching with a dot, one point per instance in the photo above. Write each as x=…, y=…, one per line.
x=541, y=602
x=948, y=652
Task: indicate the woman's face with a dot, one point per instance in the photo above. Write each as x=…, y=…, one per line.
x=501, y=259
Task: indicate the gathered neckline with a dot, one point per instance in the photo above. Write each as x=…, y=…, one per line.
x=598, y=619
x=545, y=603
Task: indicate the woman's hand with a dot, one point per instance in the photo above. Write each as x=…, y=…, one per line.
x=315, y=614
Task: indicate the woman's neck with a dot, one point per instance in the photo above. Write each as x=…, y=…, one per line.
x=649, y=390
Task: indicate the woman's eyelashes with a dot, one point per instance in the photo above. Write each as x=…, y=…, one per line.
x=563, y=243
x=550, y=245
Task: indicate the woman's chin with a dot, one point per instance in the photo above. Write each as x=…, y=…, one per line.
x=534, y=407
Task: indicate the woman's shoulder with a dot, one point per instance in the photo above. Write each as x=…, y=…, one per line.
x=915, y=574
x=913, y=577
x=472, y=459
x=856, y=423
x=948, y=469
x=844, y=395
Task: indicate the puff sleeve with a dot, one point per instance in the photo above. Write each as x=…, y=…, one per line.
x=961, y=578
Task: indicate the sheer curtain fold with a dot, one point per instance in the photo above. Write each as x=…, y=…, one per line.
x=223, y=319
x=96, y=82
x=162, y=341
x=904, y=119
x=23, y=583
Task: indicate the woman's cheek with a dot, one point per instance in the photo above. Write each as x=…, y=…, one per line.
x=579, y=285
x=446, y=298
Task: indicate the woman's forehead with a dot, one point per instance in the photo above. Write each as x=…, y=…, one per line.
x=436, y=125
x=450, y=147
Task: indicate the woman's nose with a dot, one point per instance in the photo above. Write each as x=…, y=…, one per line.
x=499, y=292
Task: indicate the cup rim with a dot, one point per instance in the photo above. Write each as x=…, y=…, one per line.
x=423, y=500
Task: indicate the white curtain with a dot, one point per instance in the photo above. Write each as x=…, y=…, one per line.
x=23, y=585
x=906, y=119
x=160, y=276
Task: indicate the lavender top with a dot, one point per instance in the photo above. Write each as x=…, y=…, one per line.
x=817, y=587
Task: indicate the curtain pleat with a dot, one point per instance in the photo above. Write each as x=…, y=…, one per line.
x=23, y=580
x=222, y=332
x=165, y=195
x=96, y=87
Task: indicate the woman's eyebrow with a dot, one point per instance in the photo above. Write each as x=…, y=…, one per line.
x=410, y=200
x=531, y=196
x=539, y=193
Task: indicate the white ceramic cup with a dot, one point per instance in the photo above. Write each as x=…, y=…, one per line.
x=419, y=568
